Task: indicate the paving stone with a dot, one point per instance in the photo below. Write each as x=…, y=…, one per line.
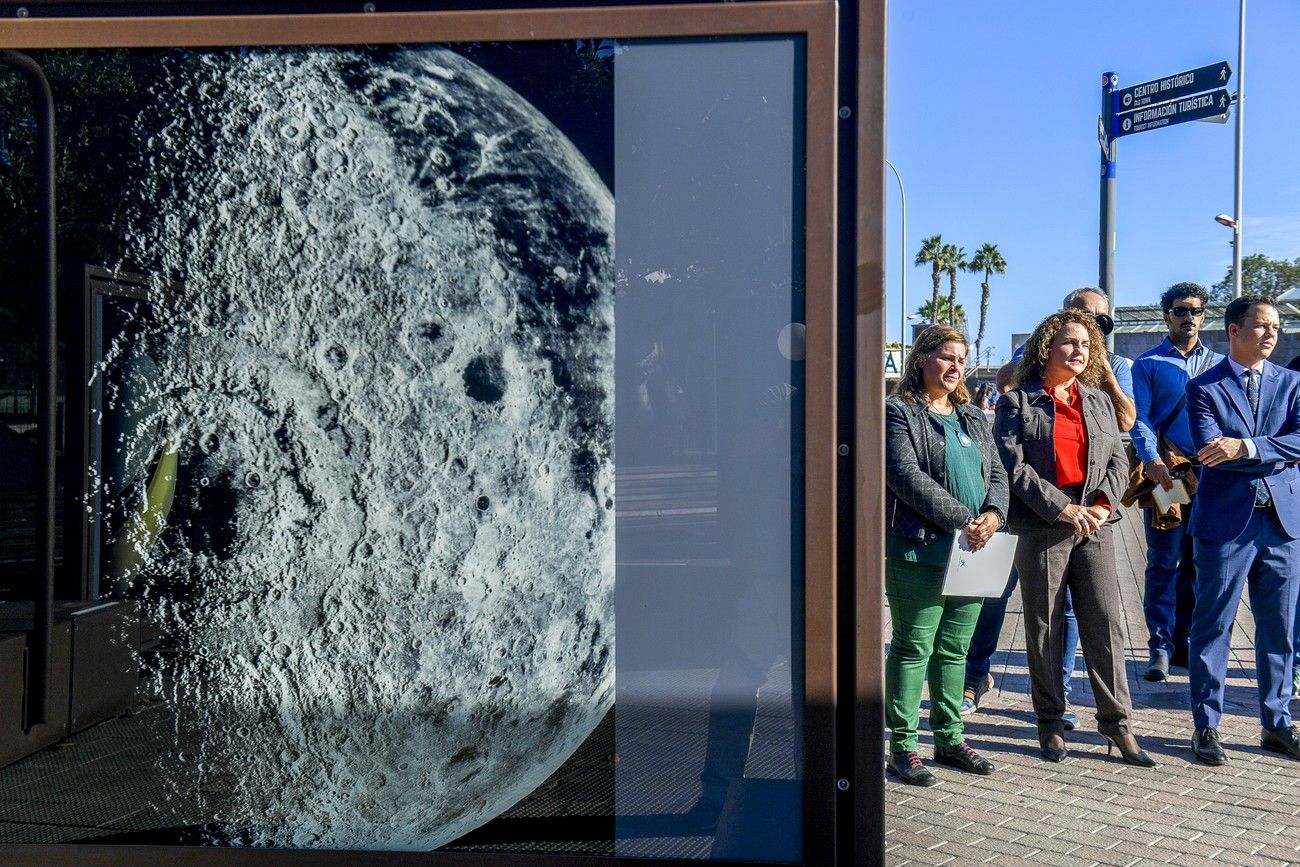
x=1138, y=850
x=1245, y=859
x=1189, y=808
x=953, y=823
x=1234, y=810
x=1002, y=847
x=1007, y=835
x=1075, y=823
x=1192, y=847
x=1270, y=805
x=1090, y=842
x=1222, y=840
x=1065, y=797
x=1114, y=859
x=1111, y=819
x=978, y=816
x=1055, y=845
x=1285, y=854
x=897, y=838
x=917, y=855
x=1062, y=859
x=1036, y=829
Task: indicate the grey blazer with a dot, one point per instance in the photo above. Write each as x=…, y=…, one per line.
x=917, y=504
x=1023, y=427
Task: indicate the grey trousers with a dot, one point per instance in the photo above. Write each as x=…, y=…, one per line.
x=1049, y=560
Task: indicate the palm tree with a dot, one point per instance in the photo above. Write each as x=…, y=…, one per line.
x=954, y=261
x=933, y=252
x=930, y=313
x=989, y=260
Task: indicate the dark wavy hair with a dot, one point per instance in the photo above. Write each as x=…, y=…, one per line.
x=1039, y=347
x=1179, y=291
x=912, y=383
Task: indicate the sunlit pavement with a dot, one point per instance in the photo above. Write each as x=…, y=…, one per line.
x=1092, y=809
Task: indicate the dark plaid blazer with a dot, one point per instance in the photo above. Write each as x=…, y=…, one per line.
x=917, y=503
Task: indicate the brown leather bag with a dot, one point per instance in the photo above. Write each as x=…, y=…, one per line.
x=1139, y=487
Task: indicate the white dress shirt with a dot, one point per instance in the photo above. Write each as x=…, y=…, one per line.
x=1239, y=372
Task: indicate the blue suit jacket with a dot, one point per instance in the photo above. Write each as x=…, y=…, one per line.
x=1217, y=406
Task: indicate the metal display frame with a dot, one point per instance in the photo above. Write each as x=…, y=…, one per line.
x=843, y=804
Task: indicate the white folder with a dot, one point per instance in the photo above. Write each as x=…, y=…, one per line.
x=979, y=573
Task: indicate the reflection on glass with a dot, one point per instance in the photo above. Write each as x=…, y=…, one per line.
x=709, y=412
x=133, y=453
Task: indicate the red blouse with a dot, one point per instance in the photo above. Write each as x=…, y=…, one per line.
x=1070, y=439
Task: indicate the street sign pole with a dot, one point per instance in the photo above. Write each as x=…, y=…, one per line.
x=1106, y=230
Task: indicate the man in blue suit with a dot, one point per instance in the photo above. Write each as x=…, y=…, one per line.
x=1245, y=422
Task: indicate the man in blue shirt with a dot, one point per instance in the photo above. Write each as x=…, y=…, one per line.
x=1160, y=377
x=984, y=642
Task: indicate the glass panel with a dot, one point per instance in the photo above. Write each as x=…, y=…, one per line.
x=401, y=418
x=709, y=406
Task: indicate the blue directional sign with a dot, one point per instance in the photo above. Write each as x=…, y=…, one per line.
x=1171, y=87
x=1195, y=107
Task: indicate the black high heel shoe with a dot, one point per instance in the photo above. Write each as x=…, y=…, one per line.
x=1051, y=746
x=1137, y=756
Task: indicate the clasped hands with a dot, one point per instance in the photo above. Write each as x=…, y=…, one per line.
x=1215, y=452
x=981, y=529
x=1086, y=520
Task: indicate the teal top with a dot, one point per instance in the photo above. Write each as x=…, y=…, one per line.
x=964, y=479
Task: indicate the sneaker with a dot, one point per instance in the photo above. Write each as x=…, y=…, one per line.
x=1158, y=671
x=968, y=701
x=970, y=698
x=983, y=688
x=1069, y=719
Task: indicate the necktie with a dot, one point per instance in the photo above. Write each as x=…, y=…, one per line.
x=1262, y=497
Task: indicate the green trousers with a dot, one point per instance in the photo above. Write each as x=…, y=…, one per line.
x=931, y=634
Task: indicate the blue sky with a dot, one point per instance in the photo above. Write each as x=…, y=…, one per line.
x=992, y=122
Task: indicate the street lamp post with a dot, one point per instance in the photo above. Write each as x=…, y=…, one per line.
x=902, y=263
x=1235, y=243
x=1241, y=110
x=39, y=704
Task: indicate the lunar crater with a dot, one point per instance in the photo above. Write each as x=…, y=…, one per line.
x=378, y=249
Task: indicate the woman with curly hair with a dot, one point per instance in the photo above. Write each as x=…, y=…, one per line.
x=1065, y=461
x=944, y=477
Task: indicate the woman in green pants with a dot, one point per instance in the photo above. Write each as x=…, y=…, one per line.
x=943, y=475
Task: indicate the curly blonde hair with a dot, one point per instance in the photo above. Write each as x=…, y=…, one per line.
x=911, y=384
x=1039, y=347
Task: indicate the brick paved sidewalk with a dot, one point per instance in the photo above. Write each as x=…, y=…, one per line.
x=1091, y=809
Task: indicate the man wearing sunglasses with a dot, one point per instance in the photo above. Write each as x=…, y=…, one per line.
x=1160, y=377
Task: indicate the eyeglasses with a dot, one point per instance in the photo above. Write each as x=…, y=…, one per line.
x=1194, y=312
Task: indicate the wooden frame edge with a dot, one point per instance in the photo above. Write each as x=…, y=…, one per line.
x=202, y=31
x=869, y=577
